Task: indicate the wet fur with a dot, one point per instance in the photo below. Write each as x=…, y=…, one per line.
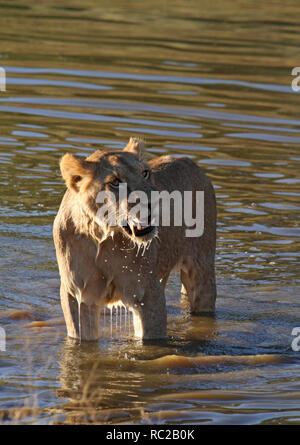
x=99, y=264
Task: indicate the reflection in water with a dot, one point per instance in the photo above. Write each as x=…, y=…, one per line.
x=99, y=389
x=213, y=85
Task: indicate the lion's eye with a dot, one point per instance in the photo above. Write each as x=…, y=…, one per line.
x=146, y=173
x=77, y=179
x=115, y=182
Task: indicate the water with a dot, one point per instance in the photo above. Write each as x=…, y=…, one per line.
x=213, y=84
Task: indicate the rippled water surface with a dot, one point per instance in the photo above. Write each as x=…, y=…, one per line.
x=211, y=83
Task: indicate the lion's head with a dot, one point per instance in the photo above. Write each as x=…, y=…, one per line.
x=113, y=191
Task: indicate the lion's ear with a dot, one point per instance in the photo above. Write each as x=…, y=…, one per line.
x=136, y=147
x=74, y=169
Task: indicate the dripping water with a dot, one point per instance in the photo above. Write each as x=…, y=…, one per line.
x=121, y=324
x=104, y=324
x=111, y=311
x=78, y=298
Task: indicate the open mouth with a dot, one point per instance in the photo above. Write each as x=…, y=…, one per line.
x=139, y=230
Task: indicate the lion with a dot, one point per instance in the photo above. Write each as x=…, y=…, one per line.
x=130, y=261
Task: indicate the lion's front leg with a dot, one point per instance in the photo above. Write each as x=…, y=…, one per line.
x=149, y=312
x=82, y=320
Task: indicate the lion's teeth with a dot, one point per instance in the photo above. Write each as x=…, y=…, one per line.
x=142, y=226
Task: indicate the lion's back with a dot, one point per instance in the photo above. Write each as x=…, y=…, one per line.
x=183, y=174
x=178, y=174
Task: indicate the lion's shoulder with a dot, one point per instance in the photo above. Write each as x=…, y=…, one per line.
x=180, y=173
x=165, y=162
x=172, y=167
